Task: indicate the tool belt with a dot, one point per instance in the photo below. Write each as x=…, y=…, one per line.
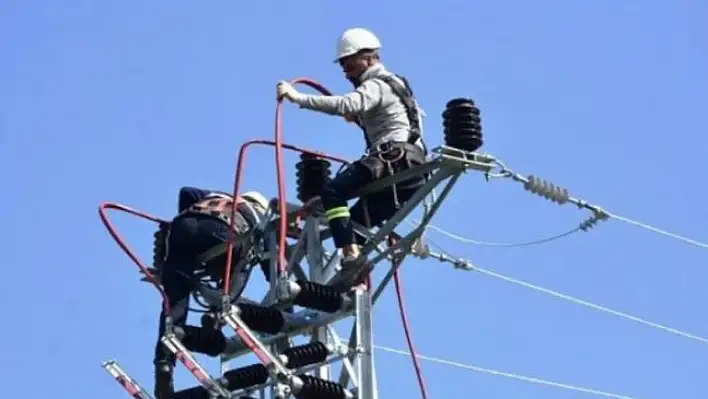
x=392, y=157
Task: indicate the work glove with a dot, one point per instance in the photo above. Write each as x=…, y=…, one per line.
x=286, y=90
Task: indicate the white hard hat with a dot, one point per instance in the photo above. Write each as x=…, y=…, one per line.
x=258, y=198
x=355, y=40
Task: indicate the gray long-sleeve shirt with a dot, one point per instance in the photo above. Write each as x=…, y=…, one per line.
x=378, y=109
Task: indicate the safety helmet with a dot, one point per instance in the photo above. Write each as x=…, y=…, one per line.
x=258, y=198
x=355, y=40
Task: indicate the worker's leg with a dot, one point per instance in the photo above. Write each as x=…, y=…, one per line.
x=379, y=207
x=334, y=199
x=189, y=236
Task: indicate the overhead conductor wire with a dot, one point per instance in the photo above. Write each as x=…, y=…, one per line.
x=560, y=196
x=464, y=264
x=498, y=373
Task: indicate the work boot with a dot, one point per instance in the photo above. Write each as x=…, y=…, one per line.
x=352, y=272
x=164, y=381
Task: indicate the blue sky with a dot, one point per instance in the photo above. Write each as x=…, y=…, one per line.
x=128, y=101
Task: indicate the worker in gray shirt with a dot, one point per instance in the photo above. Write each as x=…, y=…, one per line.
x=384, y=107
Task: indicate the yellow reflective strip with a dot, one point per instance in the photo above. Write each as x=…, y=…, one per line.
x=336, y=213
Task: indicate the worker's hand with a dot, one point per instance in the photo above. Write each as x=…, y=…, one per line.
x=350, y=118
x=286, y=90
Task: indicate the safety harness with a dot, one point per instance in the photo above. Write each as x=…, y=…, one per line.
x=404, y=92
x=219, y=206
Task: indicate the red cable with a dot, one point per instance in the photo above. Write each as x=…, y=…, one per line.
x=407, y=330
x=151, y=278
x=280, y=175
x=121, y=243
x=237, y=182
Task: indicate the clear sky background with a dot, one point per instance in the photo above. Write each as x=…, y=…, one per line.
x=128, y=101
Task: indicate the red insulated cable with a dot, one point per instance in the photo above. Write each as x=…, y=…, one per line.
x=407, y=330
x=280, y=170
x=409, y=335
x=121, y=242
x=102, y=208
x=151, y=278
x=280, y=176
x=237, y=183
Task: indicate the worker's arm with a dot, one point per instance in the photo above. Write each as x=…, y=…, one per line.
x=364, y=98
x=189, y=196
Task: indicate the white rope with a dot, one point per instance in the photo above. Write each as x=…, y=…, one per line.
x=532, y=380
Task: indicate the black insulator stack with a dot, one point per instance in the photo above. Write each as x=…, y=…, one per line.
x=208, y=341
x=198, y=392
x=262, y=319
x=160, y=245
x=318, y=296
x=247, y=376
x=317, y=388
x=303, y=355
x=313, y=172
x=240, y=378
x=462, y=124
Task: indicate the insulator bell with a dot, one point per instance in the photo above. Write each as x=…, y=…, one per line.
x=462, y=125
x=313, y=172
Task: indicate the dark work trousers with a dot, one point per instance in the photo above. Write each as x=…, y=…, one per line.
x=381, y=205
x=190, y=236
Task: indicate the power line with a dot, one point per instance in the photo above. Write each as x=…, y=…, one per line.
x=498, y=373
x=545, y=240
x=575, y=300
x=467, y=240
x=592, y=305
x=658, y=230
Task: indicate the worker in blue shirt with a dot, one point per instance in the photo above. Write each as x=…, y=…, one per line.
x=383, y=105
x=202, y=222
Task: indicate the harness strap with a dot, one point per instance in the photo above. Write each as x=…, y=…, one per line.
x=404, y=92
x=219, y=207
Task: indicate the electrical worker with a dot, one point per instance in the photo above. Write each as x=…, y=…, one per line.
x=202, y=223
x=383, y=105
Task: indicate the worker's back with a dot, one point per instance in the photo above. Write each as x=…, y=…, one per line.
x=387, y=121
